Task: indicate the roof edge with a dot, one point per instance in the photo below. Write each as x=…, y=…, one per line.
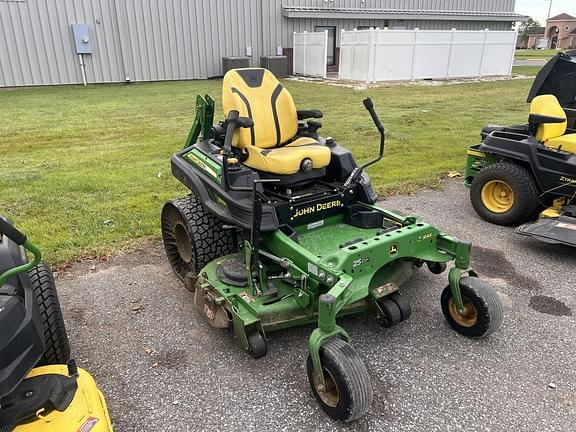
x=356, y=13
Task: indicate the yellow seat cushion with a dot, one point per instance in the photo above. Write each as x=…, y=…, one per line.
x=548, y=105
x=288, y=159
x=567, y=143
x=270, y=143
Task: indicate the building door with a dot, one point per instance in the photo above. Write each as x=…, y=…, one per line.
x=331, y=57
x=554, y=42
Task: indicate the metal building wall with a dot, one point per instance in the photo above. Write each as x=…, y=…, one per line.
x=185, y=39
x=290, y=25
x=145, y=40
x=455, y=5
x=171, y=39
x=36, y=44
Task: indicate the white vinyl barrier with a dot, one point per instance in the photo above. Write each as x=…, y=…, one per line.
x=310, y=54
x=391, y=55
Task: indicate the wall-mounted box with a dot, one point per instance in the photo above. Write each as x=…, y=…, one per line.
x=81, y=38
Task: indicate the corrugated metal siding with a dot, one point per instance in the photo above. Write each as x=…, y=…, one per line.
x=456, y=5
x=36, y=45
x=146, y=40
x=172, y=39
x=185, y=39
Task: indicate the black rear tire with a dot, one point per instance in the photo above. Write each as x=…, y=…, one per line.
x=348, y=393
x=192, y=236
x=55, y=337
x=515, y=178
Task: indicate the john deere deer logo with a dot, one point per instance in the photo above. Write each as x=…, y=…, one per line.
x=394, y=249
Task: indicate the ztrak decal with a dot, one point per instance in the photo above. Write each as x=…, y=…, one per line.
x=568, y=180
x=315, y=208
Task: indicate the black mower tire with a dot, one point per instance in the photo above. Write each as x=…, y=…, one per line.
x=391, y=313
x=257, y=345
x=436, y=267
x=55, y=337
x=201, y=234
x=522, y=183
x=348, y=374
x=403, y=304
x=485, y=312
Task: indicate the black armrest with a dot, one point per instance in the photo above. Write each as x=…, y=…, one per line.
x=570, y=111
x=539, y=119
x=306, y=114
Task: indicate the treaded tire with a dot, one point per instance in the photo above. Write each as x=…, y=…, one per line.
x=193, y=237
x=350, y=377
x=522, y=183
x=486, y=303
x=55, y=337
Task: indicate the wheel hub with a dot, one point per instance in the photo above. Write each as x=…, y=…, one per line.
x=183, y=243
x=328, y=393
x=466, y=318
x=497, y=196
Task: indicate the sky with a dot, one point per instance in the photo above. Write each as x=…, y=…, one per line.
x=538, y=9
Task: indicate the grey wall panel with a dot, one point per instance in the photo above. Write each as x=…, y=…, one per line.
x=185, y=39
x=36, y=45
x=148, y=40
x=456, y=5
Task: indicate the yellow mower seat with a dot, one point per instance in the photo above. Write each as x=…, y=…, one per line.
x=552, y=134
x=271, y=143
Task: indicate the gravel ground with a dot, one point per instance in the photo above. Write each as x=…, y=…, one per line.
x=162, y=368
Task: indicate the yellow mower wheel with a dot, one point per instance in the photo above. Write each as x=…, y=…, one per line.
x=497, y=196
x=505, y=193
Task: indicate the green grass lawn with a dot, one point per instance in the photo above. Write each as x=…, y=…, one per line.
x=535, y=54
x=85, y=171
x=526, y=70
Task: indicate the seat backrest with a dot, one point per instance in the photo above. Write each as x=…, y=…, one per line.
x=256, y=93
x=548, y=105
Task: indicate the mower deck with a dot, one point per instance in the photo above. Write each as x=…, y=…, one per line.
x=561, y=230
x=371, y=262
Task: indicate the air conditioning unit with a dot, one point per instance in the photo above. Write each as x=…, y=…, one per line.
x=234, y=63
x=278, y=65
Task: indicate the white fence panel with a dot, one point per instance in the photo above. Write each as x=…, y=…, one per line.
x=399, y=46
x=392, y=55
x=310, y=54
x=499, y=53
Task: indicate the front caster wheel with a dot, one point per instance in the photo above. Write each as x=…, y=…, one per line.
x=348, y=392
x=391, y=314
x=436, y=267
x=483, y=311
x=257, y=345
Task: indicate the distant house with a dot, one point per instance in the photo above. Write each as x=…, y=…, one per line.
x=531, y=38
x=560, y=33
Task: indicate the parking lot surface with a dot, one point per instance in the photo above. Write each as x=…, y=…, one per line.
x=163, y=368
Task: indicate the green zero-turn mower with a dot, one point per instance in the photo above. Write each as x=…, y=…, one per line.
x=519, y=170
x=280, y=230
